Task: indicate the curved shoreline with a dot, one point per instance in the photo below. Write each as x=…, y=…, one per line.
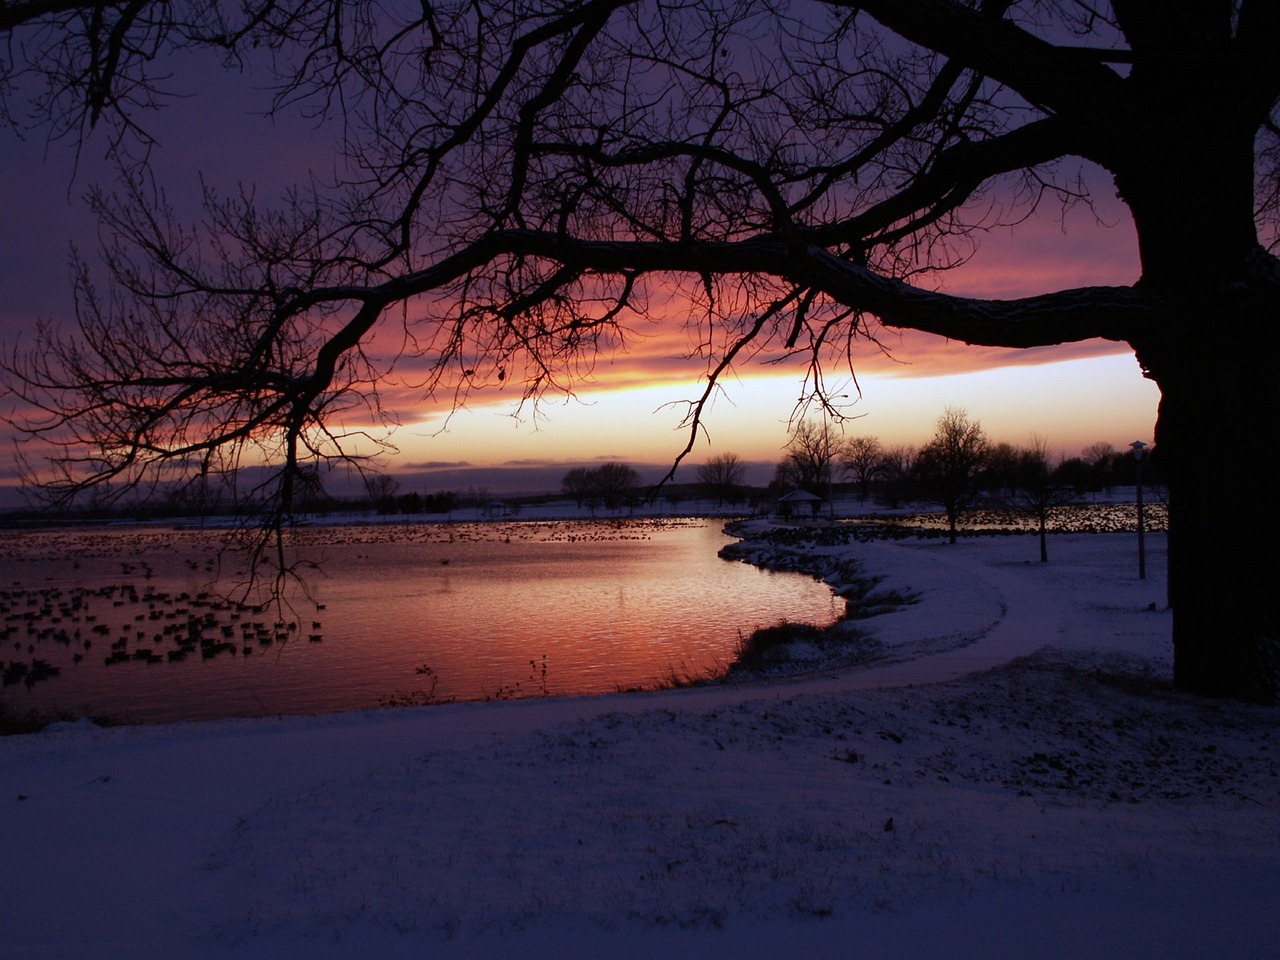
x=1053, y=807
x=791, y=648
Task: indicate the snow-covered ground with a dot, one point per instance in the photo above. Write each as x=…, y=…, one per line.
x=1009, y=777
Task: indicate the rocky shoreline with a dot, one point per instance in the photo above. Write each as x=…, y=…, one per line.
x=790, y=648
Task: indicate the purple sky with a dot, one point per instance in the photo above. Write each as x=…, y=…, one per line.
x=218, y=133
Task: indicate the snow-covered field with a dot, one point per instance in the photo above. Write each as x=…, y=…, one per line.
x=1010, y=777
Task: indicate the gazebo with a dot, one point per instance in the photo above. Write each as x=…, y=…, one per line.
x=796, y=502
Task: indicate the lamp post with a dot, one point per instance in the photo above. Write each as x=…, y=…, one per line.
x=1139, y=448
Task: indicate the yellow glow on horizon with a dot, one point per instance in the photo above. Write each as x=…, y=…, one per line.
x=1072, y=395
x=1070, y=404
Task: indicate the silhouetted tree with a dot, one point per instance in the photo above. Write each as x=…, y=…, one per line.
x=896, y=485
x=511, y=200
x=577, y=484
x=1039, y=486
x=949, y=467
x=1001, y=469
x=615, y=483
x=382, y=489
x=1101, y=458
x=812, y=450
x=311, y=495
x=1075, y=471
x=610, y=483
x=721, y=476
x=445, y=502
x=863, y=459
x=476, y=497
x=200, y=496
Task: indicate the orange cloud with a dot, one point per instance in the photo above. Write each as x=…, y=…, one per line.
x=675, y=343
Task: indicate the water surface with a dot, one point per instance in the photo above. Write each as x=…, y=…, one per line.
x=390, y=614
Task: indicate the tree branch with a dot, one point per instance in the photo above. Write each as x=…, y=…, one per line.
x=951, y=181
x=1113, y=313
x=1055, y=79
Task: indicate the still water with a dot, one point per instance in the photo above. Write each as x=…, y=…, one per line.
x=150, y=626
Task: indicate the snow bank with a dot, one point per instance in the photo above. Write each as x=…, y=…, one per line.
x=1011, y=777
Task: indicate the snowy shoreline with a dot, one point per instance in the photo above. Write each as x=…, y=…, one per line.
x=1014, y=778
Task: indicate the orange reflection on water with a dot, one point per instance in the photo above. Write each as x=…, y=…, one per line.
x=395, y=613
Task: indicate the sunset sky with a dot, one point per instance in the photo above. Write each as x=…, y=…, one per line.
x=1070, y=396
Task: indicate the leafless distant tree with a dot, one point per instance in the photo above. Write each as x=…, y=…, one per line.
x=1101, y=457
x=949, y=467
x=610, y=483
x=812, y=451
x=381, y=488
x=896, y=487
x=615, y=483
x=863, y=459
x=1001, y=469
x=1039, y=486
x=1097, y=452
x=722, y=476
x=578, y=484
x=518, y=178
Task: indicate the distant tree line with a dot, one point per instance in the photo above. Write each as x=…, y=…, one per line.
x=958, y=467
x=385, y=498
x=955, y=469
x=611, y=484
x=722, y=478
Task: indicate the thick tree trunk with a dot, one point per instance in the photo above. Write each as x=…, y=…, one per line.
x=1188, y=177
x=1218, y=427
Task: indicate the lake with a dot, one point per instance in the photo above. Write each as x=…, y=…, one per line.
x=152, y=625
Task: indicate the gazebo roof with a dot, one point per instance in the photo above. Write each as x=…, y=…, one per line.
x=799, y=496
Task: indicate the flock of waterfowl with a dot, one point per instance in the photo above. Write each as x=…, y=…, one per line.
x=129, y=600
x=47, y=629
x=1069, y=518
x=106, y=608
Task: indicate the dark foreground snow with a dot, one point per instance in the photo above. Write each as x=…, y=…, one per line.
x=1010, y=777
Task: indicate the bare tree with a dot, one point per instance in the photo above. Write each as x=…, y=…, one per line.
x=1101, y=458
x=610, y=483
x=518, y=178
x=812, y=450
x=615, y=483
x=721, y=477
x=1039, y=486
x=381, y=488
x=863, y=458
x=949, y=467
x=311, y=496
x=896, y=485
x=1097, y=452
x=97, y=71
x=577, y=483
x=1002, y=468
